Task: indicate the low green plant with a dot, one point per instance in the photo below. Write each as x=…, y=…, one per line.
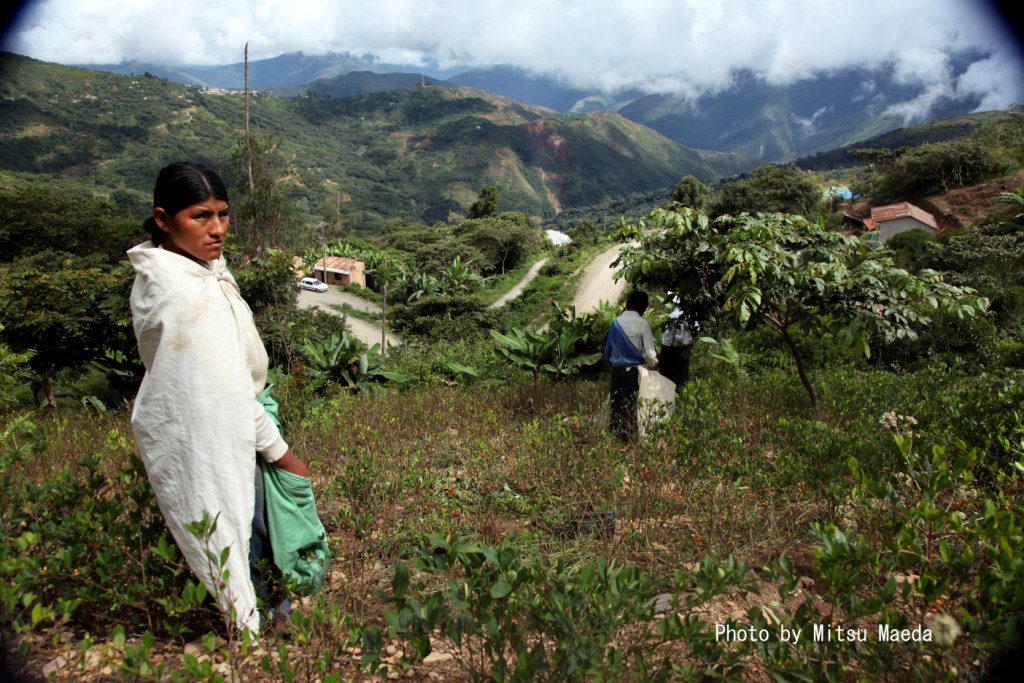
x=511, y=619
x=345, y=360
x=555, y=354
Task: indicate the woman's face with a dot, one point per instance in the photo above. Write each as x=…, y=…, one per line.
x=197, y=231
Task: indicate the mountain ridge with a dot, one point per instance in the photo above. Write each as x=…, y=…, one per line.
x=419, y=153
x=775, y=123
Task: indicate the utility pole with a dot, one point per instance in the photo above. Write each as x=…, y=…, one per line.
x=248, y=140
x=384, y=321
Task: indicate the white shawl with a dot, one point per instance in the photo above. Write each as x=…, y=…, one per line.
x=196, y=418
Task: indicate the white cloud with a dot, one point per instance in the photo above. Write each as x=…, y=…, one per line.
x=686, y=46
x=810, y=124
x=997, y=81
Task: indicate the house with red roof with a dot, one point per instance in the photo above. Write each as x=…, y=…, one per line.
x=893, y=219
x=338, y=270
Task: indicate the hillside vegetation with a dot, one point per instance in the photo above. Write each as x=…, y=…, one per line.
x=835, y=494
x=418, y=153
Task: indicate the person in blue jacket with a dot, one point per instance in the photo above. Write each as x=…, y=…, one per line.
x=630, y=345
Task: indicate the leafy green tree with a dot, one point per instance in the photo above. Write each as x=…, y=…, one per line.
x=262, y=216
x=267, y=285
x=910, y=248
x=585, y=232
x=486, y=203
x=503, y=240
x=13, y=369
x=788, y=274
x=692, y=193
x=991, y=260
x=440, y=317
x=937, y=167
x=38, y=218
x=331, y=220
x=877, y=162
x=770, y=189
x=63, y=312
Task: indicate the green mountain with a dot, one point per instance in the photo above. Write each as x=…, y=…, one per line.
x=293, y=68
x=778, y=123
x=354, y=83
x=418, y=153
x=911, y=136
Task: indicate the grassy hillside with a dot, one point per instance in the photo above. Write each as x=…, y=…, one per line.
x=418, y=153
x=910, y=136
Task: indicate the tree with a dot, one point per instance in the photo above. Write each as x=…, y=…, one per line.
x=262, y=216
x=787, y=273
x=503, y=240
x=63, y=313
x=770, y=189
x=585, y=232
x=486, y=204
x=692, y=193
x=38, y=218
x=991, y=260
x=937, y=167
x=910, y=248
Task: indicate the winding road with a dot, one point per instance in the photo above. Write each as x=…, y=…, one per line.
x=368, y=333
x=518, y=289
x=596, y=285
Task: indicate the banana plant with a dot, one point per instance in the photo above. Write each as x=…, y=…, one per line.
x=524, y=349
x=555, y=354
x=418, y=284
x=564, y=361
x=459, y=277
x=345, y=360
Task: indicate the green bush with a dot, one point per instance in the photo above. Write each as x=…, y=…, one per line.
x=444, y=318
x=88, y=548
x=516, y=620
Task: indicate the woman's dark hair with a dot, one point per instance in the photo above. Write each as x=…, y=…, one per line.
x=179, y=186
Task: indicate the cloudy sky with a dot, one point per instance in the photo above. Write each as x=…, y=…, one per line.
x=680, y=46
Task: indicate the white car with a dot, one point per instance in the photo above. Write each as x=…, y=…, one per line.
x=312, y=284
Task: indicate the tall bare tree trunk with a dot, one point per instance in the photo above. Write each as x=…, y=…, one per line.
x=248, y=140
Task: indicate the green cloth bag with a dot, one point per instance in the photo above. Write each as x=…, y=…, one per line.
x=297, y=536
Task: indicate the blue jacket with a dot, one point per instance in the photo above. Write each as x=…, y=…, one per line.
x=620, y=351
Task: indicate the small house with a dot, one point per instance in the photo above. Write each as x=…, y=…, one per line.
x=855, y=225
x=893, y=219
x=338, y=270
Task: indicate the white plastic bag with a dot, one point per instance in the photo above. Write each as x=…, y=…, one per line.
x=656, y=398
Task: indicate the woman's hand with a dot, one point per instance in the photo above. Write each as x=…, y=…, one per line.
x=289, y=463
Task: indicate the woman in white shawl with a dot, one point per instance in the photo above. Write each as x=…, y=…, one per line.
x=196, y=418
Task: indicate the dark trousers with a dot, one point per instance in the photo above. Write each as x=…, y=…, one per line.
x=674, y=363
x=625, y=386
x=261, y=556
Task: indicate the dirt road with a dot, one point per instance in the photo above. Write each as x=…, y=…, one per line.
x=518, y=289
x=368, y=333
x=597, y=284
